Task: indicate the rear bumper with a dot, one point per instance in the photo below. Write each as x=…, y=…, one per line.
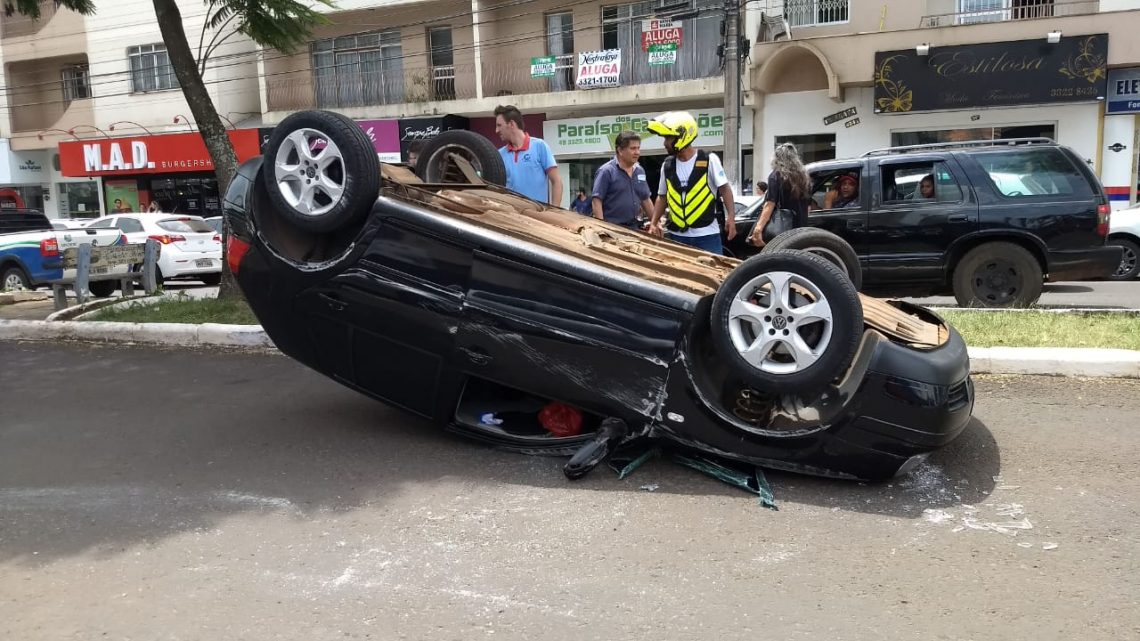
x=1086, y=264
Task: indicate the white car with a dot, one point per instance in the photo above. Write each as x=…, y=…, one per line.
x=1124, y=231
x=189, y=246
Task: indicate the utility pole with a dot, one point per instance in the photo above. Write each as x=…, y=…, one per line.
x=731, y=157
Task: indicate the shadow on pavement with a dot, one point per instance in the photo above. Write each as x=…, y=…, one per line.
x=1066, y=288
x=115, y=446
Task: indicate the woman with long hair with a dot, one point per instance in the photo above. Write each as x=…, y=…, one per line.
x=789, y=188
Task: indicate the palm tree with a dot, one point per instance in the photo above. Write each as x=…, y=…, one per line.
x=278, y=24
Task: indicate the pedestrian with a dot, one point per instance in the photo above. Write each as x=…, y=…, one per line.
x=691, y=180
x=414, y=153
x=761, y=189
x=789, y=192
x=531, y=170
x=153, y=207
x=581, y=203
x=621, y=190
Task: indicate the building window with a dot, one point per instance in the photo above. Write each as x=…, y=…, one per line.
x=622, y=26
x=359, y=70
x=442, y=58
x=75, y=83
x=811, y=13
x=966, y=134
x=560, y=44
x=975, y=11
x=151, y=69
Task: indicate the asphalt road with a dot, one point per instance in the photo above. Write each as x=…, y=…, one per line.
x=1098, y=294
x=147, y=494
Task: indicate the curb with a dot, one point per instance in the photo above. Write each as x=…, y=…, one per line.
x=1038, y=361
x=169, y=334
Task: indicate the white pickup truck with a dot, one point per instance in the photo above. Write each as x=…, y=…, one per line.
x=31, y=250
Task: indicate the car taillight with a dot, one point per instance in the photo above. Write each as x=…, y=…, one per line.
x=236, y=250
x=1103, y=216
x=167, y=239
x=217, y=238
x=49, y=248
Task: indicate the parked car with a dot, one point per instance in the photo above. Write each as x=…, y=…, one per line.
x=1005, y=216
x=190, y=248
x=215, y=222
x=1124, y=232
x=538, y=330
x=31, y=249
x=64, y=224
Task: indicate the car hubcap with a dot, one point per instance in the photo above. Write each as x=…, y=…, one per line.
x=310, y=172
x=1127, y=262
x=780, y=322
x=997, y=282
x=13, y=282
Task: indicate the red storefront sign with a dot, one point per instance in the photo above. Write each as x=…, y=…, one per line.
x=171, y=153
x=660, y=32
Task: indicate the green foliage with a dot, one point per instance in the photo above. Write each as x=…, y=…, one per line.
x=182, y=309
x=1046, y=329
x=281, y=24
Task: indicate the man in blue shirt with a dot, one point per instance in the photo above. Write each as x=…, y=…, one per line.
x=531, y=170
x=620, y=187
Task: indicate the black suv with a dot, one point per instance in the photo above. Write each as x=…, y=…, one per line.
x=988, y=220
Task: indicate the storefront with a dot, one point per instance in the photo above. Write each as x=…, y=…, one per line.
x=990, y=91
x=582, y=145
x=413, y=133
x=173, y=170
x=25, y=178
x=1122, y=137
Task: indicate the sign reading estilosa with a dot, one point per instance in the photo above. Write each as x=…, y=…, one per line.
x=599, y=69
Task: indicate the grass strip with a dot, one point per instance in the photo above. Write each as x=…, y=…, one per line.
x=1045, y=329
x=231, y=311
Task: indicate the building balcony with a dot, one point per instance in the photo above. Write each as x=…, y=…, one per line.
x=439, y=89
x=981, y=11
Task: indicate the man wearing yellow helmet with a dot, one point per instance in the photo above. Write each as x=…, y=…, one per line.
x=691, y=179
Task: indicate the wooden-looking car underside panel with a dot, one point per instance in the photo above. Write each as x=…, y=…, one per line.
x=613, y=246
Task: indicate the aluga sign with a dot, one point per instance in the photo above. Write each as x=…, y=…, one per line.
x=599, y=69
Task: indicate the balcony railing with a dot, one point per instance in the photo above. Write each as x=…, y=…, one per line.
x=981, y=11
x=809, y=13
x=302, y=90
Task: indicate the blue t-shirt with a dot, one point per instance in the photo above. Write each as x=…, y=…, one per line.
x=526, y=168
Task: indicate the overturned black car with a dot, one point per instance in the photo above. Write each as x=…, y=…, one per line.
x=448, y=296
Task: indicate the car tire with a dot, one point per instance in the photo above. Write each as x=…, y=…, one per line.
x=434, y=166
x=998, y=275
x=13, y=277
x=823, y=244
x=744, y=310
x=1129, y=261
x=324, y=190
x=211, y=280
x=102, y=288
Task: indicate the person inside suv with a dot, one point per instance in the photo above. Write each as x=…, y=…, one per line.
x=925, y=188
x=844, y=194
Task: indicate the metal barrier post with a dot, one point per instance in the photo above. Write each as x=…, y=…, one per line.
x=150, y=266
x=83, y=274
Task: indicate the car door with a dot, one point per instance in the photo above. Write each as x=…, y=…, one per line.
x=548, y=333
x=849, y=223
x=909, y=235
x=387, y=325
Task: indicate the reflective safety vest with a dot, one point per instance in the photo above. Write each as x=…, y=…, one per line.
x=692, y=205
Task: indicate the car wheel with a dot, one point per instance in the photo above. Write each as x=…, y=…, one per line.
x=824, y=244
x=13, y=278
x=787, y=322
x=321, y=173
x=101, y=288
x=1129, y=266
x=998, y=275
x=435, y=164
x=211, y=280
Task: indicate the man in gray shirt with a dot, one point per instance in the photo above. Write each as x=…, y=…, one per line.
x=620, y=187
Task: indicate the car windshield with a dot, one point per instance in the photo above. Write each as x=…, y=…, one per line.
x=186, y=225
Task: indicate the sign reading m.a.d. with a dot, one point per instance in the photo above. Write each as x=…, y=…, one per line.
x=599, y=69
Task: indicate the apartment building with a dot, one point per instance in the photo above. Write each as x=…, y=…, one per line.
x=410, y=69
x=857, y=75
x=77, y=88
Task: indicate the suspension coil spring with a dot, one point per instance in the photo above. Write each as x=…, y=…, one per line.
x=752, y=406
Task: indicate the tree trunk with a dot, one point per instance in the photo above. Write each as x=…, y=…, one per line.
x=205, y=114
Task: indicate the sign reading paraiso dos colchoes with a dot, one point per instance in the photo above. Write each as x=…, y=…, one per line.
x=596, y=135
